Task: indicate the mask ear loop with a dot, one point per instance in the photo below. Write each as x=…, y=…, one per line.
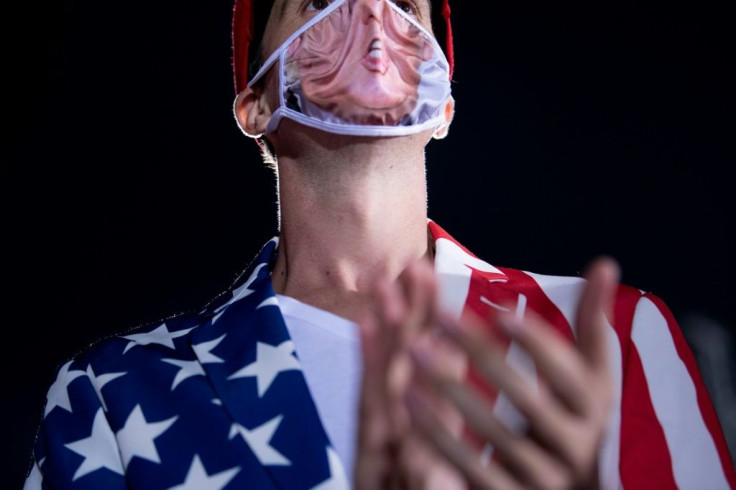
x=278, y=114
x=280, y=56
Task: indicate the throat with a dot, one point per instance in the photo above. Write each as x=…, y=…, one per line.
x=336, y=271
x=347, y=219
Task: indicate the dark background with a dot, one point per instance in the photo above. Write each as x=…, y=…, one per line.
x=128, y=192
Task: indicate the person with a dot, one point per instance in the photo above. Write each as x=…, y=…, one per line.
x=365, y=346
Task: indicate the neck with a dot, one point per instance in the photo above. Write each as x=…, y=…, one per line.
x=348, y=216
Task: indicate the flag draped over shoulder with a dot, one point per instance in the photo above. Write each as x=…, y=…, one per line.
x=664, y=432
x=217, y=399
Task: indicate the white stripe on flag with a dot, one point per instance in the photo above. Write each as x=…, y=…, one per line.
x=563, y=291
x=608, y=458
x=695, y=461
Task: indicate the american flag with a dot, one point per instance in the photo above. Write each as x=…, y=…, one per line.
x=216, y=399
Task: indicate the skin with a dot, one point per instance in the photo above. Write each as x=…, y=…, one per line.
x=361, y=202
x=354, y=241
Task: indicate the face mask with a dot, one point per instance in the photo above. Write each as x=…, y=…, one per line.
x=361, y=67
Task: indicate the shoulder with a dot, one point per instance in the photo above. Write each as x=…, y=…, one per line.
x=466, y=277
x=106, y=372
x=172, y=337
x=165, y=337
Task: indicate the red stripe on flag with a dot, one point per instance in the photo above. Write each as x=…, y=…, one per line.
x=538, y=302
x=645, y=459
x=479, y=287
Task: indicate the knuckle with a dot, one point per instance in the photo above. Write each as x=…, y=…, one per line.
x=530, y=403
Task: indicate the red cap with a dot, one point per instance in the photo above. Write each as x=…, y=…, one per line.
x=244, y=35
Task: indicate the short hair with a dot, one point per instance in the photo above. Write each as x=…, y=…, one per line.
x=249, y=23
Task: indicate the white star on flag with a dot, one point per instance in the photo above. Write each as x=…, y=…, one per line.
x=270, y=361
x=259, y=438
x=272, y=301
x=203, y=351
x=160, y=336
x=136, y=437
x=187, y=369
x=58, y=395
x=100, y=449
x=198, y=479
x=337, y=480
x=98, y=382
x=240, y=293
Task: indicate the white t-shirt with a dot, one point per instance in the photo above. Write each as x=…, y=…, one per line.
x=328, y=347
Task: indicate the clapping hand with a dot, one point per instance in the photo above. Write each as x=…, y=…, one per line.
x=391, y=455
x=567, y=412
x=416, y=400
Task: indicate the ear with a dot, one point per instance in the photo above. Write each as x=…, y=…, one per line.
x=252, y=111
x=444, y=128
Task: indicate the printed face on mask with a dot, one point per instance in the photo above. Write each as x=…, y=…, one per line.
x=360, y=63
x=359, y=67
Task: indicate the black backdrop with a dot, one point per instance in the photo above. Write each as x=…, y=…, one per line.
x=128, y=193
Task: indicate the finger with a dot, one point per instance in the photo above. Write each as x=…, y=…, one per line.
x=595, y=305
x=374, y=427
x=531, y=463
x=424, y=469
x=545, y=413
x=459, y=455
x=374, y=353
x=391, y=305
x=373, y=389
x=419, y=285
x=446, y=363
x=557, y=360
x=393, y=310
